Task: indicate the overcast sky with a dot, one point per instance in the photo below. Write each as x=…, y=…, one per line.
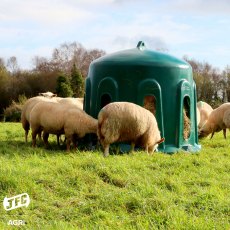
x=199, y=29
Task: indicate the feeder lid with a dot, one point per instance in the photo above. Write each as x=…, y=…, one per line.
x=142, y=56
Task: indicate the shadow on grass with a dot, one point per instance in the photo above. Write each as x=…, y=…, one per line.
x=21, y=148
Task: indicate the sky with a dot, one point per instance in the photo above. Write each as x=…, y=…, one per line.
x=199, y=29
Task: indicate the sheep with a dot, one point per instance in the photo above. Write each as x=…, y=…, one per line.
x=204, y=110
x=60, y=119
x=219, y=119
x=48, y=96
x=78, y=102
x=127, y=122
x=26, y=109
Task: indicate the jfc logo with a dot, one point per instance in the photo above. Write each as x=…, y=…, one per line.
x=16, y=201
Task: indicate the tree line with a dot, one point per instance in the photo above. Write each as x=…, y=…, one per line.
x=213, y=85
x=65, y=71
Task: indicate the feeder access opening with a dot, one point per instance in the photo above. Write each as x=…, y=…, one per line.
x=105, y=99
x=150, y=103
x=186, y=117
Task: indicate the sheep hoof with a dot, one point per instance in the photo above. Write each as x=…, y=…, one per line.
x=106, y=154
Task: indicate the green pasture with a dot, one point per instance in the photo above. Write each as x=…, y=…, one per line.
x=84, y=190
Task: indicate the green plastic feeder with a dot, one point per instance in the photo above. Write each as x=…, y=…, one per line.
x=160, y=82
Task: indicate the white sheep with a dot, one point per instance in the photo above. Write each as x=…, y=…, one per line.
x=55, y=118
x=26, y=109
x=48, y=96
x=78, y=102
x=128, y=122
x=219, y=119
x=204, y=110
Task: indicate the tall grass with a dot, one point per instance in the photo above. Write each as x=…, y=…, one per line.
x=84, y=190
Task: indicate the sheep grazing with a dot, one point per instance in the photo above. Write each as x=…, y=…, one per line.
x=204, y=111
x=219, y=119
x=127, y=122
x=78, y=102
x=26, y=109
x=55, y=118
x=48, y=94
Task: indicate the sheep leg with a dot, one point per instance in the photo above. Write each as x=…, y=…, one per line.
x=212, y=135
x=68, y=142
x=106, y=150
x=132, y=147
x=74, y=145
x=26, y=127
x=105, y=147
x=224, y=132
x=45, y=138
x=74, y=140
x=58, y=139
x=26, y=135
x=98, y=144
x=117, y=149
x=34, y=135
x=147, y=149
x=40, y=135
x=68, y=146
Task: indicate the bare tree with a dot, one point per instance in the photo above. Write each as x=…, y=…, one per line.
x=226, y=84
x=12, y=64
x=2, y=64
x=43, y=65
x=66, y=54
x=69, y=54
x=90, y=56
x=209, y=82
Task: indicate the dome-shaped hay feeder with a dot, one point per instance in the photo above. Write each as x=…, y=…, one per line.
x=157, y=81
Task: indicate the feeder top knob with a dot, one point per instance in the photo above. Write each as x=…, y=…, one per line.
x=141, y=45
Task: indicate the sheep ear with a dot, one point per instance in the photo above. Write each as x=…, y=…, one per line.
x=161, y=140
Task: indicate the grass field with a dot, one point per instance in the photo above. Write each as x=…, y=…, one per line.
x=84, y=190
